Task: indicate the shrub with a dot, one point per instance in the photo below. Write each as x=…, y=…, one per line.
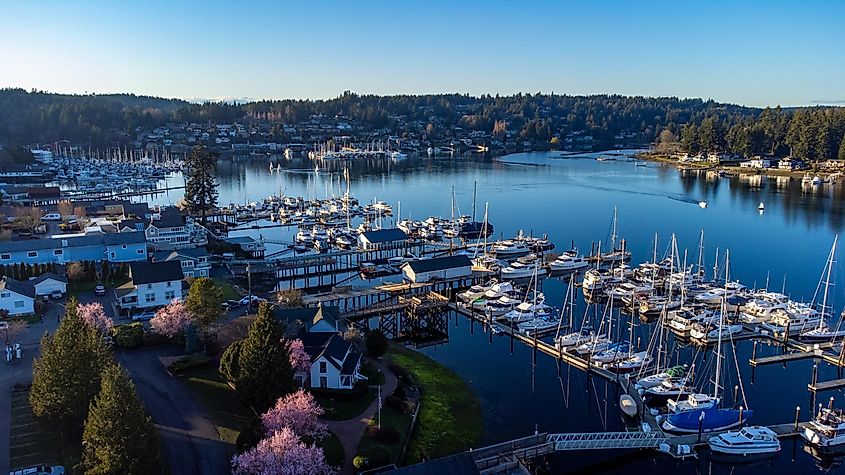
x=128, y=335
x=187, y=362
x=359, y=462
x=396, y=403
x=376, y=343
x=385, y=435
x=151, y=338
x=373, y=456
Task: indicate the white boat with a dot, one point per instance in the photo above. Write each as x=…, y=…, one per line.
x=527, y=311
x=762, y=306
x=827, y=429
x=573, y=339
x=474, y=292
x=521, y=270
x=761, y=207
x=693, y=401
x=715, y=295
x=746, y=441
x=657, y=379
x=710, y=332
x=501, y=306
x=628, y=405
x=627, y=290
x=509, y=249
x=684, y=319
x=495, y=292
x=594, y=345
x=538, y=324
x=796, y=319
x=568, y=262
x=632, y=362
x=614, y=352
x=702, y=204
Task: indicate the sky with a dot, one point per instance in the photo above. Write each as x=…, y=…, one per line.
x=755, y=53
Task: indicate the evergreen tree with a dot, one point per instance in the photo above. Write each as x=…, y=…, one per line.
x=119, y=436
x=66, y=376
x=261, y=369
x=201, y=186
x=841, y=155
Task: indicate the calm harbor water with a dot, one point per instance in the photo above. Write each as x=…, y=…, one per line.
x=571, y=198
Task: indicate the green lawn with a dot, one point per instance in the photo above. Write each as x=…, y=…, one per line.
x=31, y=443
x=333, y=449
x=389, y=418
x=341, y=407
x=227, y=413
x=450, y=419
x=229, y=290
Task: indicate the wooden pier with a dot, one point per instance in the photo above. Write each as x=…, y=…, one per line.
x=786, y=357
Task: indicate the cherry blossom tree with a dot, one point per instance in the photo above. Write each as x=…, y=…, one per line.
x=298, y=412
x=94, y=315
x=299, y=359
x=282, y=453
x=171, y=319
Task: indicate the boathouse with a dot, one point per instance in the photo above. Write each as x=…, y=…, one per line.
x=382, y=239
x=438, y=268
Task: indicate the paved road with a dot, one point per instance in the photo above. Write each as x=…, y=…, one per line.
x=190, y=440
x=350, y=431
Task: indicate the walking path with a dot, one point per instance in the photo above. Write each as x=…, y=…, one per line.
x=350, y=431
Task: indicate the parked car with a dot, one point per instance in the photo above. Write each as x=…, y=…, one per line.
x=56, y=294
x=52, y=217
x=40, y=470
x=251, y=300
x=100, y=289
x=148, y=315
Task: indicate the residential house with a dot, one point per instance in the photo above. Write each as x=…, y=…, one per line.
x=756, y=163
x=169, y=230
x=254, y=247
x=437, y=268
x=152, y=285
x=16, y=297
x=60, y=249
x=382, y=239
x=194, y=261
x=791, y=163
x=49, y=282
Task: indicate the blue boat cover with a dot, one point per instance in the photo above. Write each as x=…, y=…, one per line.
x=714, y=418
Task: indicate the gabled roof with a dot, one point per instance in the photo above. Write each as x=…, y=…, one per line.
x=180, y=254
x=309, y=315
x=18, y=287
x=110, y=239
x=170, y=218
x=153, y=272
x=385, y=235
x=48, y=275
x=335, y=351
x=439, y=263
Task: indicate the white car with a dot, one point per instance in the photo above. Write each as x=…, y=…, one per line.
x=52, y=217
x=40, y=470
x=143, y=316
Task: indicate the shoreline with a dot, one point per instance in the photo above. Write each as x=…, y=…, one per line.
x=731, y=170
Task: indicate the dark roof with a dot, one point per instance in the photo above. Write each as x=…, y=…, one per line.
x=18, y=287
x=110, y=239
x=14, y=190
x=458, y=464
x=48, y=275
x=313, y=343
x=188, y=253
x=309, y=315
x=351, y=362
x=152, y=272
x=335, y=350
x=439, y=263
x=170, y=218
x=43, y=191
x=385, y=235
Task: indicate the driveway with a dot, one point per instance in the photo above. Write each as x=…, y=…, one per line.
x=189, y=438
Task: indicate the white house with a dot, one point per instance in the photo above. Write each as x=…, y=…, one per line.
x=49, y=282
x=16, y=297
x=334, y=364
x=153, y=284
x=790, y=163
x=169, y=230
x=194, y=261
x=756, y=163
x=382, y=239
x=438, y=268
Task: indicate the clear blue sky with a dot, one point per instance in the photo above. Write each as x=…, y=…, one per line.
x=754, y=53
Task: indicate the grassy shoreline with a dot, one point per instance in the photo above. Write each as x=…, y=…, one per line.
x=450, y=418
x=732, y=170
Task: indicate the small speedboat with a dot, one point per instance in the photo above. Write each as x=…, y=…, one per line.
x=761, y=207
x=657, y=379
x=628, y=405
x=746, y=441
x=702, y=204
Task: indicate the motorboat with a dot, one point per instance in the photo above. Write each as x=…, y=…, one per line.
x=632, y=362
x=527, y=311
x=509, y=249
x=568, y=262
x=614, y=352
x=715, y=295
x=521, y=270
x=657, y=379
x=627, y=290
x=796, y=319
x=476, y=291
x=746, y=441
x=707, y=420
x=538, y=324
x=501, y=306
x=495, y=292
x=693, y=401
x=670, y=388
x=594, y=345
x=628, y=405
x=573, y=339
x=656, y=305
x=827, y=429
x=762, y=307
x=684, y=319
x=710, y=332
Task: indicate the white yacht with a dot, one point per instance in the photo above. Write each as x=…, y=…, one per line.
x=709, y=332
x=527, y=311
x=627, y=290
x=568, y=262
x=594, y=345
x=632, y=362
x=657, y=379
x=573, y=339
x=746, y=441
x=501, y=306
x=495, y=292
x=796, y=319
x=538, y=324
x=476, y=291
x=509, y=249
x=684, y=319
x=762, y=307
x=715, y=295
x=827, y=429
x=521, y=270
x=693, y=401
x=614, y=352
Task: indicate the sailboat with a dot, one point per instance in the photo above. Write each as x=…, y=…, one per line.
x=712, y=418
x=823, y=332
x=574, y=338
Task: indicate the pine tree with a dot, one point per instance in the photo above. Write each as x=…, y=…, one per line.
x=841, y=154
x=119, y=436
x=203, y=302
x=66, y=376
x=261, y=370
x=201, y=186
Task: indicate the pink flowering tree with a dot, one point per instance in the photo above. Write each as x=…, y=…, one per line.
x=94, y=315
x=282, y=453
x=298, y=412
x=171, y=319
x=299, y=359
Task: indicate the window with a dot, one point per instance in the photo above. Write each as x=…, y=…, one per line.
x=18, y=303
x=323, y=367
x=112, y=254
x=124, y=246
x=324, y=382
x=5, y=257
x=5, y=295
x=169, y=284
x=150, y=298
x=170, y=295
x=149, y=286
x=58, y=252
x=64, y=242
x=140, y=251
x=32, y=254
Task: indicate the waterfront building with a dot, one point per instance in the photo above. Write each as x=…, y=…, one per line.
x=168, y=230
x=194, y=261
x=151, y=285
x=382, y=239
x=756, y=163
x=438, y=268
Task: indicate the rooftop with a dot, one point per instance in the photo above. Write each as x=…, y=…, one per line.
x=153, y=272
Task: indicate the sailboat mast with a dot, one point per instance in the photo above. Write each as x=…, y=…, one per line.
x=613, y=231
x=719, y=329
x=830, y=261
